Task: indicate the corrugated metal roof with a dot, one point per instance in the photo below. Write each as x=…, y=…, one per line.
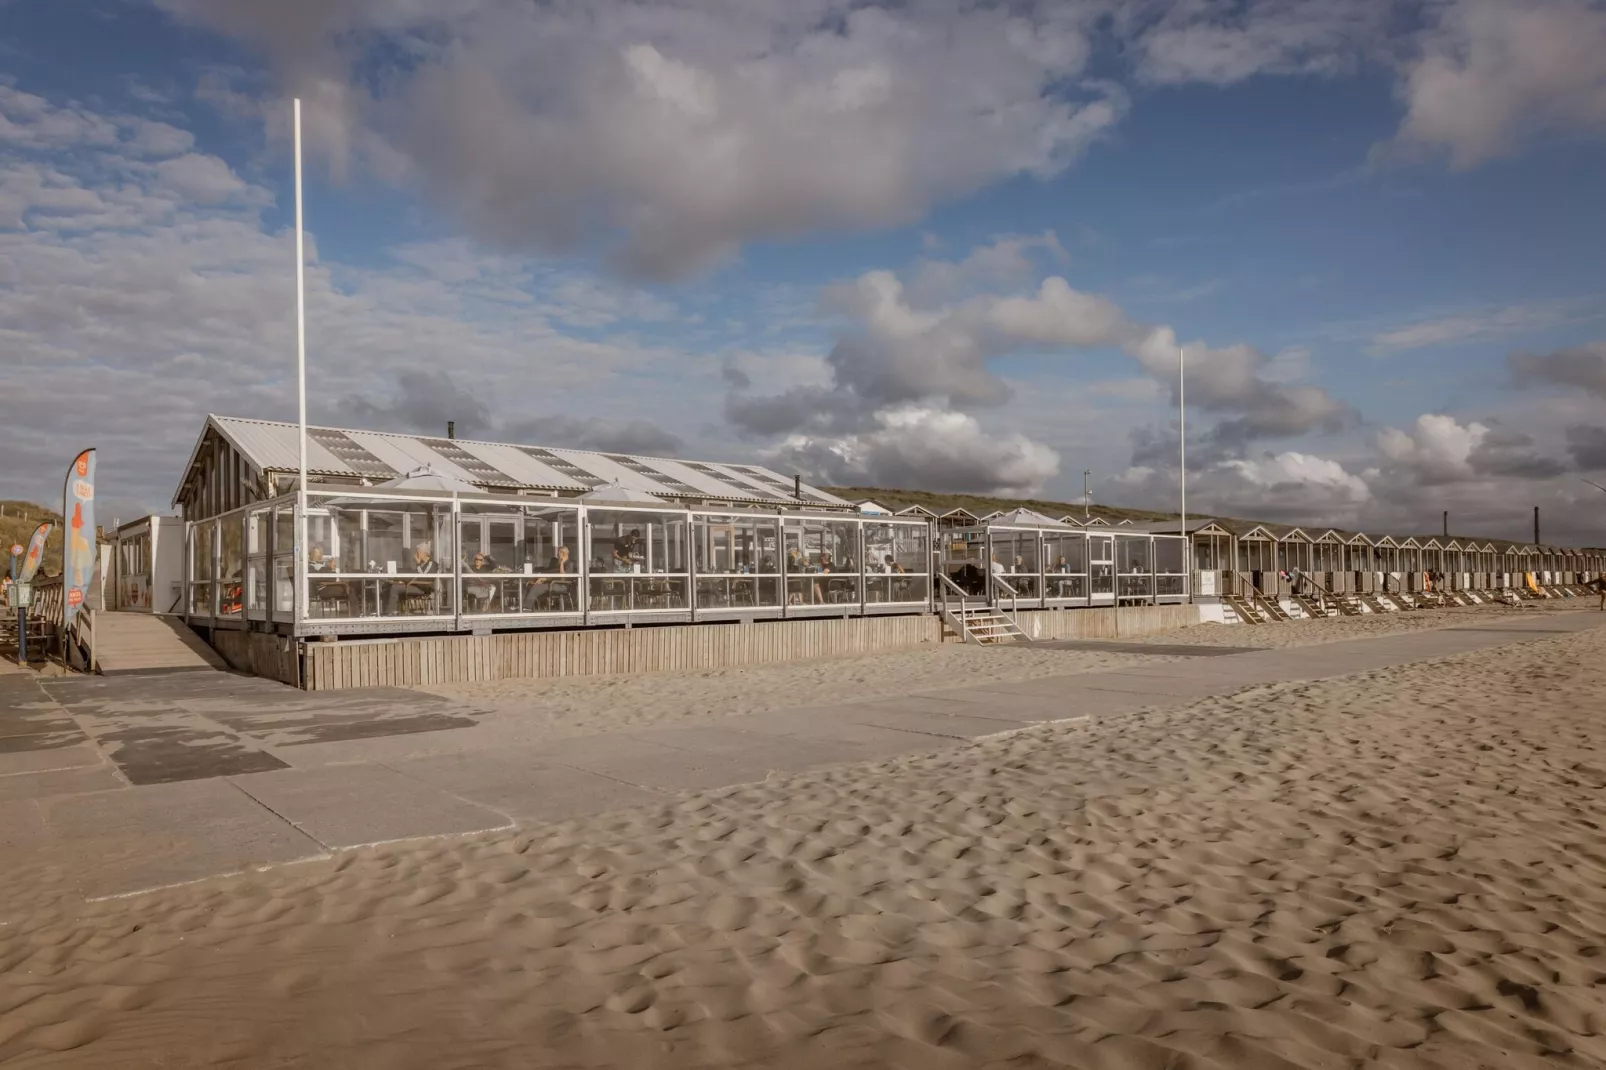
x=272, y=445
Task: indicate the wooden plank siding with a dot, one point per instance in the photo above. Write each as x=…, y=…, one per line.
x=532, y=655
x=1105, y=622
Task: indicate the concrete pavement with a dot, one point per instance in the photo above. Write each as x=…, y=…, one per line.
x=136, y=782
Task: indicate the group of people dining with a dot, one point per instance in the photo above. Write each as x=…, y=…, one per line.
x=413, y=593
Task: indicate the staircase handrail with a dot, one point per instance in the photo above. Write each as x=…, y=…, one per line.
x=1013, y=594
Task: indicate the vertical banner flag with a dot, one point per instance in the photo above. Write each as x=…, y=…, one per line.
x=78, y=548
x=36, y=552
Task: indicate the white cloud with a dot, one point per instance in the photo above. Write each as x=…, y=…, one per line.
x=1494, y=73
x=679, y=131
x=140, y=296
x=911, y=446
x=1222, y=43
x=1472, y=326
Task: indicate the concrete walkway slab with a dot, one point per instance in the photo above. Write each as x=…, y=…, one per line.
x=911, y=715
x=60, y=751
x=826, y=723
x=353, y=805
x=649, y=765
x=45, y=783
x=168, y=833
x=972, y=702
x=523, y=784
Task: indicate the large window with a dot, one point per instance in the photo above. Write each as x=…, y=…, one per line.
x=1134, y=566
x=1170, y=569
x=897, y=562
x=738, y=561
x=639, y=560
x=1064, y=565
x=231, y=565
x=203, y=568
x=379, y=557
x=1017, y=561
x=519, y=559
x=822, y=562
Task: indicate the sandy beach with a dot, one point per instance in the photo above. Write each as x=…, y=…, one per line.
x=567, y=706
x=1399, y=868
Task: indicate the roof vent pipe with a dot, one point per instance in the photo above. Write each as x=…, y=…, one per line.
x=797, y=487
x=1536, y=525
x=451, y=429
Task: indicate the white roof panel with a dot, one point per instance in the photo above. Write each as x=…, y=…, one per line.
x=272, y=445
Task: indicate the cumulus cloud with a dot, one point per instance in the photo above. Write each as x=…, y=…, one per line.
x=134, y=307
x=1287, y=487
x=898, y=350
x=1440, y=449
x=1492, y=74
x=1578, y=368
x=677, y=131
x=911, y=446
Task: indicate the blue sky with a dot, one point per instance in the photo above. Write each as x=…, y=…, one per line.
x=908, y=246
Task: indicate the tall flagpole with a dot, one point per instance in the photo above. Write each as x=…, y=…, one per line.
x=301, y=316
x=1182, y=463
x=1182, y=430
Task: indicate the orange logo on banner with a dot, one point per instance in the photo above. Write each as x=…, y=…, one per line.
x=75, y=597
x=82, y=463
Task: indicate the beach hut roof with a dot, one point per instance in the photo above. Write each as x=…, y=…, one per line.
x=1026, y=518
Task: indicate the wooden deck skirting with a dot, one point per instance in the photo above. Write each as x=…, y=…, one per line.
x=1105, y=623
x=593, y=652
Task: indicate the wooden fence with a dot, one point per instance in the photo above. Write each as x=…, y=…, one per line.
x=592, y=652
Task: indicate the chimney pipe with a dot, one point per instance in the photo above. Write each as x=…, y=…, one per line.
x=451, y=428
x=1447, y=523
x=797, y=487
x=1536, y=525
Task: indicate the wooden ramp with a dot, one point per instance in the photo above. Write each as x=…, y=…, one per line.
x=146, y=643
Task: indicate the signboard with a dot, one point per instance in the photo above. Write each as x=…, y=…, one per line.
x=1207, y=583
x=36, y=553
x=78, y=548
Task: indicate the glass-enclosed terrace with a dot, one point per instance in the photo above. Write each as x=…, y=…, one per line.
x=369, y=561
x=1024, y=560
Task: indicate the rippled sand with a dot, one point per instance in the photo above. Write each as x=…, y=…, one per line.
x=1401, y=868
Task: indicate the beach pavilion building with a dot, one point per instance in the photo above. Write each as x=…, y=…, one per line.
x=403, y=535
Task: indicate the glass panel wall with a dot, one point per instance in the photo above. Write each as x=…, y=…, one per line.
x=897, y=562
x=258, y=528
x=518, y=559
x=639, y=560
x=203, y=568
x=822, y=562
x=738, y=561
x=1134, y=562
x=372, y=557
x=1064, y=565
x=1170, y=579
x=1016, y=561
x=231, y=566
x=284, y=567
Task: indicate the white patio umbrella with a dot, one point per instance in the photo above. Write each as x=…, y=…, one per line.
x=426, y=478
x=618, y=492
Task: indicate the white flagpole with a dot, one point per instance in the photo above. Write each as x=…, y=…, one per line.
x=301, y=315
x=300, y=590
x=1182, y=464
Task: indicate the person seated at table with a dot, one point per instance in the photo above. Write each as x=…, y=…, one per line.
x=480, y=595
x=825, y=565
x=767, y=565
x=423, y=564
x=316, y=561
x=558, y=565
